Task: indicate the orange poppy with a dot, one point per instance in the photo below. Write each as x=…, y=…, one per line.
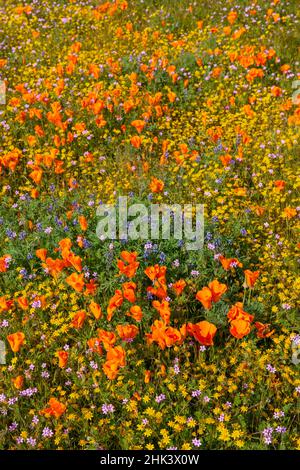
x=135, y=313
x=136, y=141
x=83, y=223
x=41, y=254
x=217, y=290
x=205, y=297
x=163, y=335
x=156, y=185
x=94, y=345
x=128, y=264
x=240, y=328
x=55, y=409
x=111, y=369
x=116, y=354
x=91, y=288
x=4, y=263
x=76, y=281
x=139, y=125
x=23, y=303
x=78, y=319
x=280, y=184
x=128, y=291
x=62, y=358
x=147, y=375
x=203, y=332
x=16, y=340
x=289, y=212
x=237, y=313
x=127, y=332
x=263, y=330
x=250, y=278
x=18, y=382
x=179, y=286
x=96, y=310
x=5, y=304
x=107, y=338
x=229, y=263
x=115, y=302
x=163, y=309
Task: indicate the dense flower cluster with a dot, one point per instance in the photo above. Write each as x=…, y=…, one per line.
x=120, y=344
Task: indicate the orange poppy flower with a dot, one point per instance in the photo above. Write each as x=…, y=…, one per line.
x=217, y=290
x=156, y=185
x=136, y=141
x=158, y=291
x=240, y=328
x=229, y=263
x=110, y=369
x=157, y=334
x=16, y=340
x=72, y=260
x=289, y=212
x=115, y=302
x=263, y=330
x=127, y=332
x=179, y=286
x=76, y=281
x=250, y=278
x=240, y=191
x=163, y=309
x=237, y=313
x=65, y=246
x=96, y=310
x=232, y=16
x=276, y=91
x=107, y=338
x=156, y=272
x=91, y=287
x=128, y=291
x=172, y=336
x=54, y=266
x=5, y=304
x=116, y=354
x=129, y=256
x=94, y=345
x=23, y=303
x=83, y=223
x=42, y=254
x=62, y=358
x=147, y=375
x=18, y=382
x=4, y=263
x=135, y=313
x=203, y=332
x=139, y=125
x=128, y=264
x=36, y=175
x=164, y=336
x=172, y=96
x=280, y=184
x=158, y=275
x=205, y=297
x=55, y=409
x=78, y=319
x=225, y=159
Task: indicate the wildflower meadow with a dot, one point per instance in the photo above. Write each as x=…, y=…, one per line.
x=110, y=341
